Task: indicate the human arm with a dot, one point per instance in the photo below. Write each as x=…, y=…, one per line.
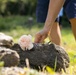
x=53, y=10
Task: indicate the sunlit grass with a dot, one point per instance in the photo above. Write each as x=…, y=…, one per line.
x=68, y=39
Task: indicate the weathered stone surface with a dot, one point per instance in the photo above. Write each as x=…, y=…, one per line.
x=21, y=71
x=41, y=55
x=10, y=57
x=44, y=54
x=5, y=40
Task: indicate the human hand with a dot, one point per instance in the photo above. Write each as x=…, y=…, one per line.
x=41, y=36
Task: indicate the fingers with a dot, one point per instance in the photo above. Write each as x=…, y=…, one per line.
x=42, y=39
x=40, y=36
x=37, y=39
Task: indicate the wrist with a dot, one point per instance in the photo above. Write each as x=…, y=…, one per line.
x=46, y=29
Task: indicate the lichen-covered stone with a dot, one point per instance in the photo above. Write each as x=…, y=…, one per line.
x=39, y=56
x=9, y=57
x=44, y=55
x=6, y=40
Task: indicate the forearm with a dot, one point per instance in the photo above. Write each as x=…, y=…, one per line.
x=54, y=8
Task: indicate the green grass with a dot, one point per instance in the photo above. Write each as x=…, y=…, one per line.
x=69, y=44
x=16, y=26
